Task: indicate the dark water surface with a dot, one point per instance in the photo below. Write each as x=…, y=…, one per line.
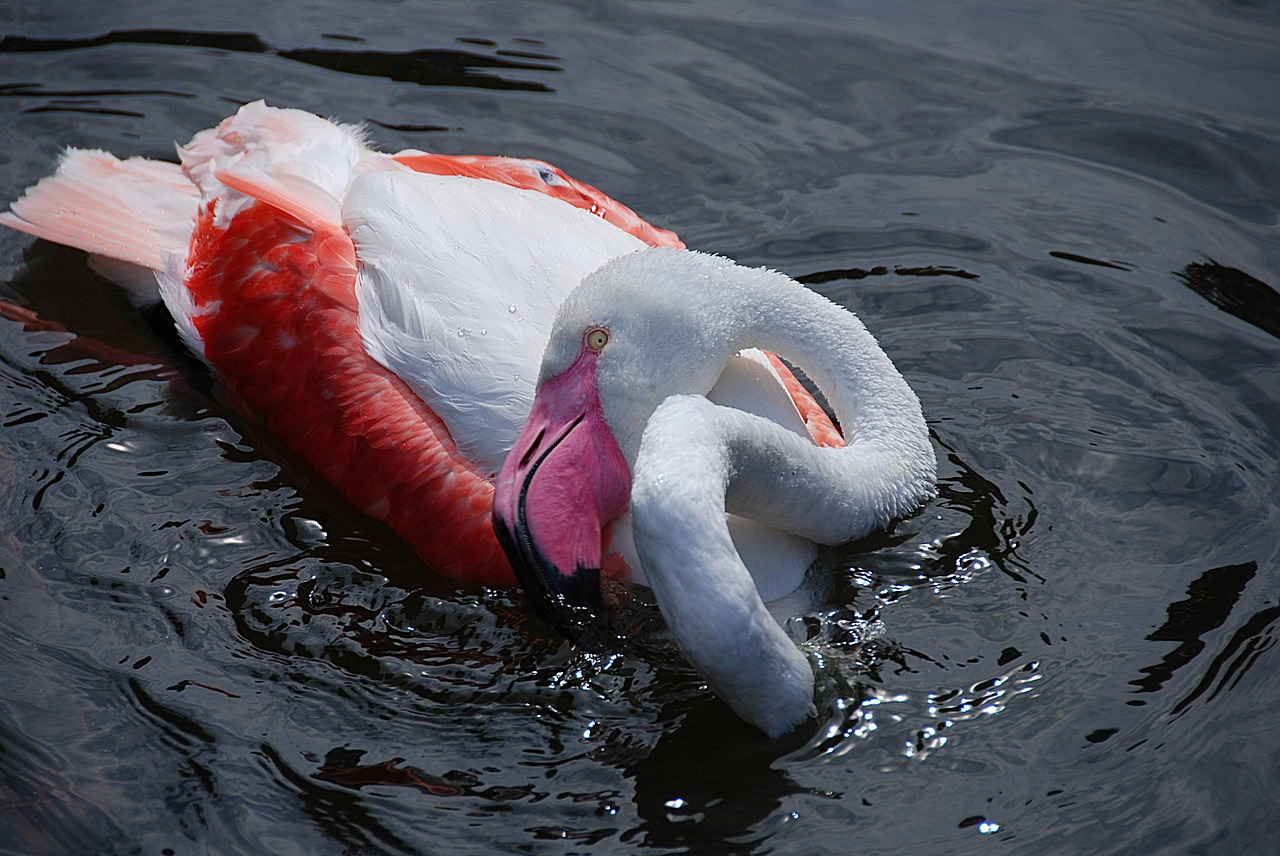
x=1061, y=221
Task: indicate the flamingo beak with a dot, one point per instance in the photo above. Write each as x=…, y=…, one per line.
x=562, y=483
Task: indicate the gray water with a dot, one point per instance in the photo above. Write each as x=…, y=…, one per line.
x=1059, y=219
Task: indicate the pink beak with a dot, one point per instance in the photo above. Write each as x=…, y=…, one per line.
x=562, y=483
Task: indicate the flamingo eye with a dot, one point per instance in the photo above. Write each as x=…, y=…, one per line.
x=597, y=338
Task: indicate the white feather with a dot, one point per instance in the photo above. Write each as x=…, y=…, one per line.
x=129, y=215
x=280, y=147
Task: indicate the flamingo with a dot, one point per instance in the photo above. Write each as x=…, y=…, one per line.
x=518, y=374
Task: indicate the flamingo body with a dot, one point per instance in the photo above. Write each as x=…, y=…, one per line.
x=383, y=315
x=387, y=316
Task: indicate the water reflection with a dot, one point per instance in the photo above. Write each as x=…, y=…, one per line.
x=1233, y=172
x=437, y=67
x=342, y=814
x=1211, y=599
x=1236, y=293
x=434, y=67
x=711, y=778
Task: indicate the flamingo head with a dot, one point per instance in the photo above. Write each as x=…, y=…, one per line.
x=562, y=483
x=621, y=342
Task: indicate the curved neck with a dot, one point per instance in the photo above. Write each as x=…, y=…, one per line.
x=887, y=467
x=705, y=592
x=697, y=460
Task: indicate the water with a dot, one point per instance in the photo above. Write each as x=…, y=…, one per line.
x=1061, y=222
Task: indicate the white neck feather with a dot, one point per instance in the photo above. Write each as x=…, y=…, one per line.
x=696, y=460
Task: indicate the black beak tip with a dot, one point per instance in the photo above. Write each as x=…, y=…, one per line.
x=571, y=604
